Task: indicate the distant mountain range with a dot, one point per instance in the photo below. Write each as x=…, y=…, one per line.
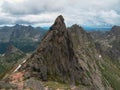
x=109, y=41
x=66, y=59
x=70, y=59
x=9, y=59
x=26, y=38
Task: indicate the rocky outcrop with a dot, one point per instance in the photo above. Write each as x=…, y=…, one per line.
x=109, y=42
x=109, y=46
x=88, y=57
x=67, y=56
x=114, y=42
x=55, y=58
x=12, y=50
x=12, y=55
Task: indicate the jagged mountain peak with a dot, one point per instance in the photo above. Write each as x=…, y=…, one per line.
x=56, y=58
x=11, y=49
x=59, y=20
x=65, y=55
x=115, y=30
x=115, y=26
x=76, y=27
x=59, y=24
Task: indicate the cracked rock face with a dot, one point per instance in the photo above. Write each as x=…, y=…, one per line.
x=65, y=56
x=55, y=59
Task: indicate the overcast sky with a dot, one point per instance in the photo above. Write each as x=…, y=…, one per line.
x=43, y=12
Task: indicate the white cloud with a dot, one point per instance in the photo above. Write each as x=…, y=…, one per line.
x=82, y=12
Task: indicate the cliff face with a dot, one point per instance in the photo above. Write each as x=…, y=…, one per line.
x=87, y=55
x=55, y=58
x=109, y=46
x=67, y=56
x=114, y=43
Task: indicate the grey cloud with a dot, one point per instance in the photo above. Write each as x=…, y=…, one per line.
x=23, y=22
x=82, y=12
x=30, y=7
x=4, y=21
x=28, y=22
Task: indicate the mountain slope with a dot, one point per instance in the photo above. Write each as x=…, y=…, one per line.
x=54, y=57
x=67, y=56
x=108, y=44
x=25, y=38
x=67, y=59
x=9, y=59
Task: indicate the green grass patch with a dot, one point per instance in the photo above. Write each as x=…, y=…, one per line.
x=110, y=74
x=55, y=85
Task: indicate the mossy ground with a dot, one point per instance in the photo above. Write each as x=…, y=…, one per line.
x=110, y=73
x=7, y=63
x=56, y=85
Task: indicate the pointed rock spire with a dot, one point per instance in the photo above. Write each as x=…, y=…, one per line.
x=59, y=20
x=58, y=24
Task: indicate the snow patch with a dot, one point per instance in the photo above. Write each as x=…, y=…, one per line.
x=17, y=68
x=100, y=56
x=24, y=61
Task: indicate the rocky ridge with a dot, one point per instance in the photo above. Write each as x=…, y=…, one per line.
x=67, y=56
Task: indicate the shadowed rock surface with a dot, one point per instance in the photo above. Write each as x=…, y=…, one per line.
x=67, y=56
x=55, y=59
x=69, y=59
